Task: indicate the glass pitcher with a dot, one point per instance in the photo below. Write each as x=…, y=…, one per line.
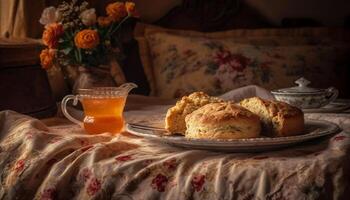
x=103, y=108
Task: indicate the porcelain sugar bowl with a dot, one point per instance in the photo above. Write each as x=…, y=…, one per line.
x=306, y=97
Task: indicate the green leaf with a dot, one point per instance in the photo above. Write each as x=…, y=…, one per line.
x=76, y=55
x=67, y=50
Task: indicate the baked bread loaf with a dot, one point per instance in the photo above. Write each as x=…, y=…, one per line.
x=175, y=117
x=224, y=120
x=279, y=119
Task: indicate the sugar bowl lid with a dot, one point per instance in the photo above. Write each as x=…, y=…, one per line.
x=300, y=89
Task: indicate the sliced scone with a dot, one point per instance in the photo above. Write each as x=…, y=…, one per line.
x=222, y=121
x=175, y=117
x=279, y=118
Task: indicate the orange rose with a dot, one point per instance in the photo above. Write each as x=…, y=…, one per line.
x=87, y=39
x=130, y=9
x=116, y=11
x=104, y=21
x=51, y=34
x=46, y=58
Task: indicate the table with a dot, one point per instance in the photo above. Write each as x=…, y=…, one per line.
x=24, y=85
x=61, y=162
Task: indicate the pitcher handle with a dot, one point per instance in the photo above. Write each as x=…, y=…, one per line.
x=64, y=108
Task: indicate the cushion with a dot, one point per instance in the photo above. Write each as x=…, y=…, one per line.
x=177, y=62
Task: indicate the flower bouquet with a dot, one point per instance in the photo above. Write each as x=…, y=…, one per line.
x=77, y=38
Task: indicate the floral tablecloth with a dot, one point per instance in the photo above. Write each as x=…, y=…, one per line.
x=62, y=162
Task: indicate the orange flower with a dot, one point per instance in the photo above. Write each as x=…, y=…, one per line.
x=104, y=21
x=51, y=34
x=87, y=39
x=46, y=58
x=116, y=11
x=130, y=9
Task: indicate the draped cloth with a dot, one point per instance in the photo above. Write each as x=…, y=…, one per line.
x=52, y=160
x=20, y=18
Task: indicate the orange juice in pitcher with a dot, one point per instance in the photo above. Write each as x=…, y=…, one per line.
x=103, y=108
x=103, y=115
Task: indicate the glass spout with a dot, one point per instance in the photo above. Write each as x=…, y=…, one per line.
x=127, y=87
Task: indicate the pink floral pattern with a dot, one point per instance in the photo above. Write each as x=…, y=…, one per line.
x=159, y=182
x=19, y=165
x=124, y=158
x=236, y=62
x=170, y=164
x=94, y=186
x=198, y=182
x=148, y=170
x=48, y=194
x=182, y=62
x=85, y=174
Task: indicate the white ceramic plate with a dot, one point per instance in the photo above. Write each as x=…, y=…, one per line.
x=336, y=106
x=313, y=129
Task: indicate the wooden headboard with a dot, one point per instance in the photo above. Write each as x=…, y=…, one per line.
x=212, y=15
x=199, y=15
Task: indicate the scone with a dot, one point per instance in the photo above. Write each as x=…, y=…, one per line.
x=175, y=117
x=279, y=118
x=222, y=121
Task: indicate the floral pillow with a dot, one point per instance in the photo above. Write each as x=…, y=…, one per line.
x=256, y=37
x=181, y=65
